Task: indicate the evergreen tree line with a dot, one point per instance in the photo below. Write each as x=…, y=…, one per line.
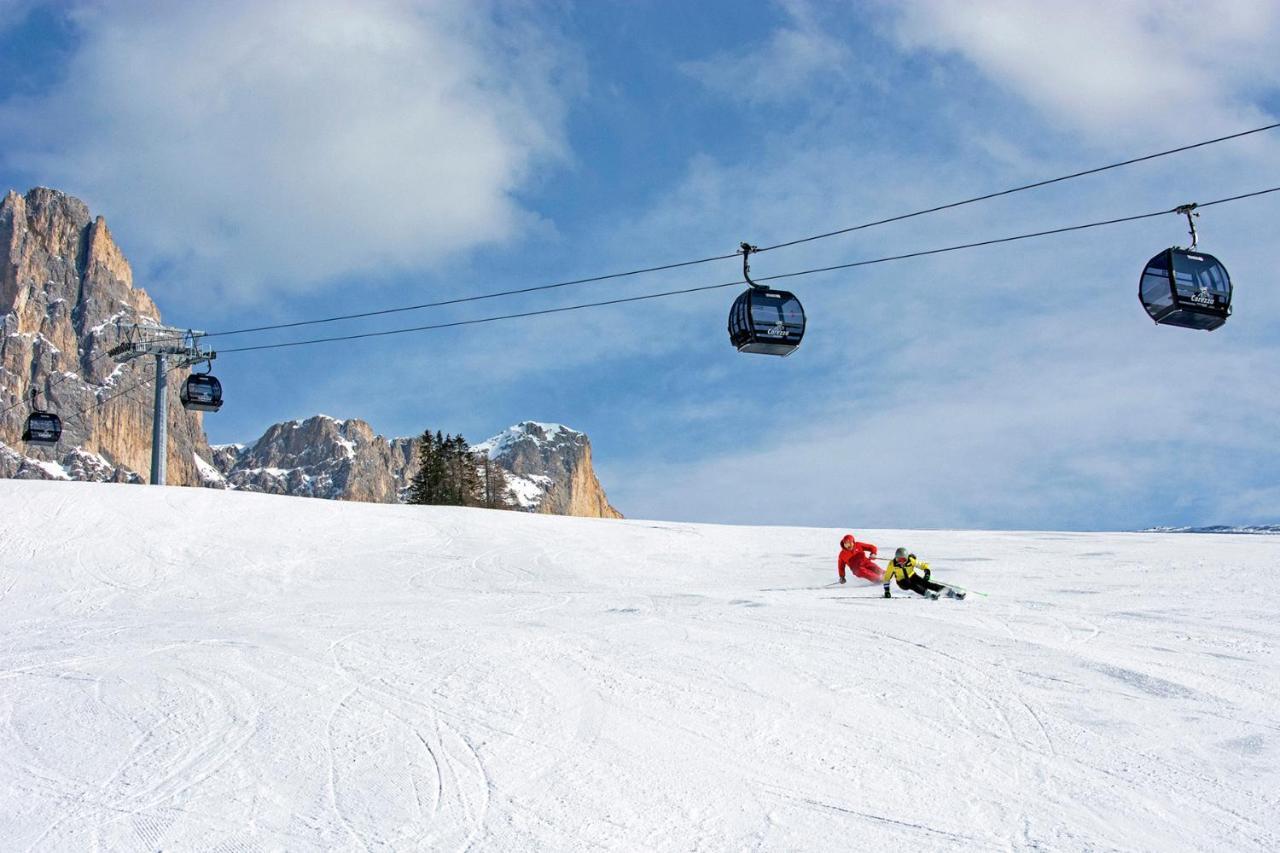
x=451, y=474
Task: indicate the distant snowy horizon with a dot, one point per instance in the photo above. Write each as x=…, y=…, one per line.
x=1252, y=529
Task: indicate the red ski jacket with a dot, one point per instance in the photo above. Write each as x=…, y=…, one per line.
x=857, y=560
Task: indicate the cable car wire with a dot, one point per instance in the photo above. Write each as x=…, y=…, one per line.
x=56, y=381
x=81, y=414
x=679, y=264
x=1013, y=190
x=997, y=240
x=477, y=298
x=735, y=283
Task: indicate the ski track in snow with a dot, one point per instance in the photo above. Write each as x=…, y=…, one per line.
x=186, y=669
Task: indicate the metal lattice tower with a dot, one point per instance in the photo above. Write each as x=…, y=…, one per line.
x=171, y=348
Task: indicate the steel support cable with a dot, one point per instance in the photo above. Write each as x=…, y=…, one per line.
x=1063, y=230
x=55, y=382
x=1013, y=190
x=1066, y=229
x=65, y=375
x=736, y=283
x=679, y=264
x=83, y=413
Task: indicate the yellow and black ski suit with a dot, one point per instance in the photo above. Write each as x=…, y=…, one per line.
x=905, y=574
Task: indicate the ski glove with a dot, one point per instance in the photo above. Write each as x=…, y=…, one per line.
x=927, y=574
x=841, y=580
x=886, y=591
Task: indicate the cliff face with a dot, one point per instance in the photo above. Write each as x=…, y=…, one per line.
x=551, y=470
x=64, y=285
x=321, y=457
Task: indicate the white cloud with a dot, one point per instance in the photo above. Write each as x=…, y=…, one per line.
x=249, y=146
x=1145, y=70
x=1078, y=435
x=779, y=69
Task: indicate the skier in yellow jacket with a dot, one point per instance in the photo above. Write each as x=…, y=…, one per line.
x=902, y=568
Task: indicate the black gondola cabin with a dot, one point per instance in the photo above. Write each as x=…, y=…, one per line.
x=202, y=393
x=42, y=428
x=1187, y=288
x=769, y=322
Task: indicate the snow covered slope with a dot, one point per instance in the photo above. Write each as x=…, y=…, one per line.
x=191, y=669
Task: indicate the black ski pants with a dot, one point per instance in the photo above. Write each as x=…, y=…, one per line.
x=917, y=583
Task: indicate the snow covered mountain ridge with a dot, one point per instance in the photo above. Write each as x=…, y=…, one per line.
x=1256, y=529
x=534, y=431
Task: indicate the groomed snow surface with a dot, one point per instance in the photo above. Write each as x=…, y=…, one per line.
x=185, y=669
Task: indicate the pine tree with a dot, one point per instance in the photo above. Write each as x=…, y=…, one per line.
x=495, y=492
x=439, y=474
x=469, y=476
x=449, y=473
x=423, y=489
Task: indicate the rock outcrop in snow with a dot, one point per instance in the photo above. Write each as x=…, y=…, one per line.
x=550, y=469
x=320, y=457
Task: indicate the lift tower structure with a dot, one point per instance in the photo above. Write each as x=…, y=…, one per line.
x=172, y=348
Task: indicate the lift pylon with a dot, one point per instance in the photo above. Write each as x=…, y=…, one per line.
x=171, y=347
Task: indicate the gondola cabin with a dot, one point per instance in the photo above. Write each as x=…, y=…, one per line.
x=1187, y=288
x=769, y=322
x=42, y=428
x=202, y=392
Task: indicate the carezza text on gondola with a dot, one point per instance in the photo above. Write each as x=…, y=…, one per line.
x=763, y=320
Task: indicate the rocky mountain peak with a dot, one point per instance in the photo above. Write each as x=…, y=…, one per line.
x=535, y=434
x=64, y=287
x=550, y=469
x=320, y=457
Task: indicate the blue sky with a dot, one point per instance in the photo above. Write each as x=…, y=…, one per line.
x=264, y=163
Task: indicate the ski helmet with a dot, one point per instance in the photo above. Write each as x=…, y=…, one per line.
x=900, y=554
x=848, y=542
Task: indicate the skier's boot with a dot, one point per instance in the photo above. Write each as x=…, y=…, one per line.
x=934, y=594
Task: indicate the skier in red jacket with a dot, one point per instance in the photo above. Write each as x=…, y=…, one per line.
x=853, y=554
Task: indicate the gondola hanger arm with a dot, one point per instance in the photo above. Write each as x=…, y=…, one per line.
x=1189, y=210
x=745, y=249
